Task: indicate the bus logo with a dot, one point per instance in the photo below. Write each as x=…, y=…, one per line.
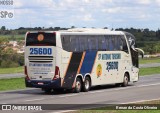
x=40, y=37
x=99, y=70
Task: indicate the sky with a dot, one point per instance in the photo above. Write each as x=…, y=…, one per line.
x=85, y=13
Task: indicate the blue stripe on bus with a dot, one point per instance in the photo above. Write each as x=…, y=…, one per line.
x=88, y=62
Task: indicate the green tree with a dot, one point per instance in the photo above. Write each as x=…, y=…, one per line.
x=10, y=58
x=73, y=27
x=3, y=45
x=3, y=28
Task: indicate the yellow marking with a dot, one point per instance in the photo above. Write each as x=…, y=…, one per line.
x=99, y=70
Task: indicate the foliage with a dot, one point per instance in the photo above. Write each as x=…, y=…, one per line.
x=3, y=45
x=8, y=63
x=3, y=28
x=9, y=57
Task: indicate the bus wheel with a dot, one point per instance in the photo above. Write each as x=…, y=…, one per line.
x=125, y=80
x=78, y=87
x=86, y=84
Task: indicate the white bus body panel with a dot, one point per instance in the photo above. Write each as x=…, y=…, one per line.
x=38, y=70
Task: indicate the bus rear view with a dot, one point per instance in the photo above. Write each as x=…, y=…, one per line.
x=40, y=56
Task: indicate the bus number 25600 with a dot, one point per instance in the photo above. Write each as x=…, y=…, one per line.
x=40, y=51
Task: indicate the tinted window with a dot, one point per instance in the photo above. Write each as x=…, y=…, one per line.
x=74, y=44
x=48, y=39
x=125, y=48
x=80, y=43
x=102, y=45
x=66, y=42
x=70, y=43
x=93, y=43
x=111, y=43
x=118, y=43
x=107, y=42
x=83, y=43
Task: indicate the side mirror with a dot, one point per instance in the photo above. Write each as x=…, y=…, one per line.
x=140, y=51
x=142, y=56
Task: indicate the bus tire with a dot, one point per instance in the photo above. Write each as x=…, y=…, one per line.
x=125, y=80
x=86, y=84
x=78, y=86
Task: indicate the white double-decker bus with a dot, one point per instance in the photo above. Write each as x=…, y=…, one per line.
x=78, y=59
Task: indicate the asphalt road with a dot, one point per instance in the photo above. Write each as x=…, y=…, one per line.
x=149, y=65
x=14, y=75
x=145, y=89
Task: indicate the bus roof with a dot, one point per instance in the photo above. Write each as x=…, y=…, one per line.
x=90, y=31
x=84, y=31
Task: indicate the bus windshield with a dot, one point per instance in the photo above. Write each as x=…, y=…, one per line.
x=35, y=39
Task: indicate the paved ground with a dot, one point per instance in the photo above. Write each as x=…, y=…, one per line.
x=147, y=88
x=14, y=75
x=149, y=65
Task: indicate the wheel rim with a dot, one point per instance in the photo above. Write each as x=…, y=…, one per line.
x=78, y=85
x=86, y=84
x=126, y=80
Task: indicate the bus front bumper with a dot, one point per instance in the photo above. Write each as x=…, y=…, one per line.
x=53, y=84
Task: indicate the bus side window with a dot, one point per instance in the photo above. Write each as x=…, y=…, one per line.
x=74, y=43
x=107, y=42
x=125, y=48
x=83, y=43
x=120, y=43
x=111, y=43
x=116, y=47
x=66, y=42
x=101, y=43
x=92, y=43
